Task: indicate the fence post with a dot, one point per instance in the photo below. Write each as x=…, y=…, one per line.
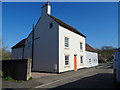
x=29, y=61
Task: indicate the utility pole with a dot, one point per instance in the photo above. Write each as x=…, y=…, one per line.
x=32, y=45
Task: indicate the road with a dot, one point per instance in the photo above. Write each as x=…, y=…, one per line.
x=100, y=77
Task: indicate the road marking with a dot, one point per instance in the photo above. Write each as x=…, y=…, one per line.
x=58, y=80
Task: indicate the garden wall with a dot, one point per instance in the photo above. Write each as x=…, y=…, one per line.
x=18, y=69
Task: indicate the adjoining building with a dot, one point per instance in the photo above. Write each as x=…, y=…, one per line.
x=55, y=46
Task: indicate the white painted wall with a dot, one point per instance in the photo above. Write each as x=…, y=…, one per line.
x=45, y=47
x=28, y=47
x=45, y=43
x=91, y=59
x=17, y=53
x=74, y=48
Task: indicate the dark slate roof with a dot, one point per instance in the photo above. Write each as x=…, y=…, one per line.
x=89, y=48
x=61, y=23
x=19, y=44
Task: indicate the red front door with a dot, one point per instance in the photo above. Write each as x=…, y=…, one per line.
x=75, y=62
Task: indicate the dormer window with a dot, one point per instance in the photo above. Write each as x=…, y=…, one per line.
x=51, y=25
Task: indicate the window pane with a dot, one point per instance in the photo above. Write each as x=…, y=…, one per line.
x=66, y=59
x=81, y=59
x=51, y=25
x=81, y=46
x=90, y=61
x=66, y=42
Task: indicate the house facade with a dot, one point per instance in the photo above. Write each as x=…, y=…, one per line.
x=91, y=56
x=54, y=46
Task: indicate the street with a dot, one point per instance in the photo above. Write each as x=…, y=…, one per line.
x=100, y=77
x=91, y=78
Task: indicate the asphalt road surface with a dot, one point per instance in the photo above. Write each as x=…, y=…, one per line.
x=100, y=77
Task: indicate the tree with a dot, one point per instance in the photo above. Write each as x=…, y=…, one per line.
x=106, y=53
x=4, y=53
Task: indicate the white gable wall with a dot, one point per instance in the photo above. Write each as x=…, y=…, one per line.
x=28, y=47
x=74, y=48
x=45, y=45
x=17, y=53
x=91, y=59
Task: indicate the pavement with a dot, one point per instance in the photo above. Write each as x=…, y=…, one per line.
x=100, y=77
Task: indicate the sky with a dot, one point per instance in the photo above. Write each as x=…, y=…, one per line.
x=98, y=21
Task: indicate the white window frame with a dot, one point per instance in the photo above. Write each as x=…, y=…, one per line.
x=66, y=42
x=94, y=60
x=89, y=60
x=81, y=46
x=67, y=60
x=81, y=59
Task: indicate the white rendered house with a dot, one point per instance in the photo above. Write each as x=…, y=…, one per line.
x=54, y=46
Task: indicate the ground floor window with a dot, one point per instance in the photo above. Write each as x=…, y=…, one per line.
x=90, y=61
x=81, y=59
x=66, y=59
x=94, y=60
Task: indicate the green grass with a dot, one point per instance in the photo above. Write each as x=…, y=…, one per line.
x=30, y=78
x=1, y=73
x=11, y=79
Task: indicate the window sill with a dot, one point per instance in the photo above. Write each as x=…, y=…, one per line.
x=66, y=66
x=81, y=50
x=81, y=64
x=66, y=48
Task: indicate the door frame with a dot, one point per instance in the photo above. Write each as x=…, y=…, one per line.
x=75, y=61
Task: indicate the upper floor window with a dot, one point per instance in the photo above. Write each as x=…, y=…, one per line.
x=81, y=46
x=66, y=42
x=66, y=59
x=51, y=25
